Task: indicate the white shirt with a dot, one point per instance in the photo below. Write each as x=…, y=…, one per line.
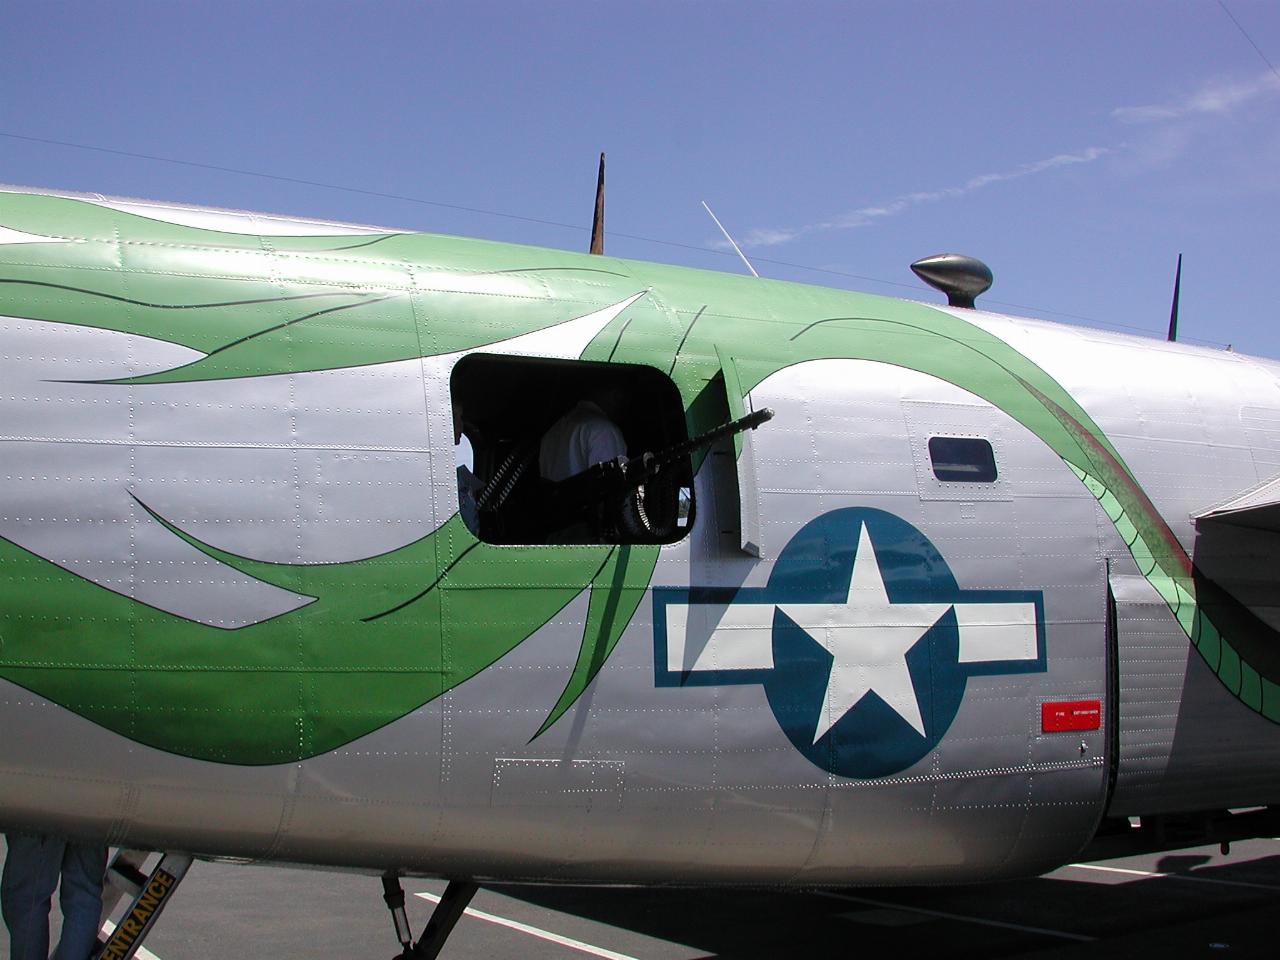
x=580, y=439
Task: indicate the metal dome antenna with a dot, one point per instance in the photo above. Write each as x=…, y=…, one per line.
x=961, y=278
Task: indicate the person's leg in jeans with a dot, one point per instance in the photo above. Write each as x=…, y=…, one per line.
x=80, y=897
x=30, y=876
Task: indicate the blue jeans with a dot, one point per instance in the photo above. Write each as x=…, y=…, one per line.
x=31, y=873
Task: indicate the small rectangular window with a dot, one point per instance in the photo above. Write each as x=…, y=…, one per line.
x=962, y=459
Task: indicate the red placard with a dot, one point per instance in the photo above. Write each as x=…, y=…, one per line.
x=1061, y=716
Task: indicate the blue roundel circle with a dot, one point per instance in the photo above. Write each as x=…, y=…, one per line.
x=871, y=738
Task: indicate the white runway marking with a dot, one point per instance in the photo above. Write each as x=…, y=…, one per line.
x=538, y=932
x=1171, y=876
x=957, y=916
x=142, y=952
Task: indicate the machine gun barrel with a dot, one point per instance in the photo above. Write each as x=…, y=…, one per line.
x=637, y=470
x=611, y=485
x=615, y=477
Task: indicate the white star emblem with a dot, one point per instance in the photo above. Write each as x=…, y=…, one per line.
x=868, y=638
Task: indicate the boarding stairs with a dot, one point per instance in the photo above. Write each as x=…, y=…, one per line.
x=147, y=881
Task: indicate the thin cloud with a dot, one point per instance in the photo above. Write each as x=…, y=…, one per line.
x=1166, y=133
x=1216, y=98
x=865, y=216
x=1169, y=132
x=766, y=238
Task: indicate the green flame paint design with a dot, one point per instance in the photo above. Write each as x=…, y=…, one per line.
x=387, y=634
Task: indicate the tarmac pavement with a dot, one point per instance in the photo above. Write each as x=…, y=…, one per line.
x=1193, y=903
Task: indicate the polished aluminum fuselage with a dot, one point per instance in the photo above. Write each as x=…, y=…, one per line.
x=640, y=782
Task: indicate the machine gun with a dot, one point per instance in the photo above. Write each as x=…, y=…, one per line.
x=636, y=506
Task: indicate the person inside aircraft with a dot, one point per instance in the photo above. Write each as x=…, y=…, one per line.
x=32, y=870
x=585, y=436
x=534, y=423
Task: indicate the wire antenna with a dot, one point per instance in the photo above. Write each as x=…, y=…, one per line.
x=730, y=239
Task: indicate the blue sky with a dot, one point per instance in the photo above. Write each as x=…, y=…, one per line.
x=1075, y=147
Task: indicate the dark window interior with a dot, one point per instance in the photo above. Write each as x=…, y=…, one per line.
x=962, y=459
x=507, y=404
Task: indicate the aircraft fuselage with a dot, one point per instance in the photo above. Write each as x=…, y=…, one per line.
x=954, y=605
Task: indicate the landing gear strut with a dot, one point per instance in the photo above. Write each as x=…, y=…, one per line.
x=446, y=914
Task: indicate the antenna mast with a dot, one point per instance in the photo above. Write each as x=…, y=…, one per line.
x=1173, y=312
x=597, y=221
x=730, y=239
